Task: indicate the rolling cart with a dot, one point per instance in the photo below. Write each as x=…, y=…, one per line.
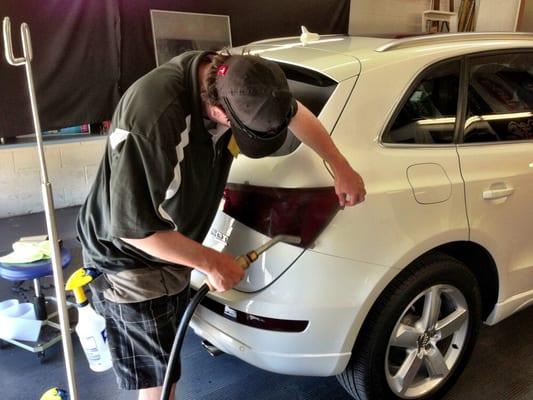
x=51, y=331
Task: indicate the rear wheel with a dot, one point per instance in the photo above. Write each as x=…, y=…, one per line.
x=419, y=334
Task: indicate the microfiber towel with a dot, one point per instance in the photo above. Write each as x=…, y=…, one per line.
x=27, y=252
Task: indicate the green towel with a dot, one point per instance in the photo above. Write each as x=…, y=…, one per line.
x=27, y=252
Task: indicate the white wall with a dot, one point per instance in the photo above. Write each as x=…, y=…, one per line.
x=381, y=16
x=71, y=168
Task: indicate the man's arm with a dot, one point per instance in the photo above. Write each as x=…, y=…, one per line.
x=221, y=269
x=349, y=185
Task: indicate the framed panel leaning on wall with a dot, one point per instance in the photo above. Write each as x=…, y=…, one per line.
x=176, y=32
x=497, y=15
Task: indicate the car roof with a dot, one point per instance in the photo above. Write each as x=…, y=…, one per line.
x=338, y=56
x=445, y=40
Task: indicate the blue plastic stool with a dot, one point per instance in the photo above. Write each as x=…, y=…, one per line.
x=51, y=331
x=33, y=270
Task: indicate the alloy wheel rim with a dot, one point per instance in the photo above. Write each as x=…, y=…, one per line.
x=427, y=342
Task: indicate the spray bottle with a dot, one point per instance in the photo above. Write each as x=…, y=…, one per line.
x=91, y=326
x=55, y=394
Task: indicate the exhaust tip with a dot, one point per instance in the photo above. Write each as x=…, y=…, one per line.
x=211, y=349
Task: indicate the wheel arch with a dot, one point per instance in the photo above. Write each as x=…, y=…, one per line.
x=364, y=373
x=476, y=258
x=482, y=265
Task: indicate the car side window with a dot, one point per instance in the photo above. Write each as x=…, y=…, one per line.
x=428, y=115
x=500, y=98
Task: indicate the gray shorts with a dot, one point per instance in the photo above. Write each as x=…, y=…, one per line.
x=140, y=337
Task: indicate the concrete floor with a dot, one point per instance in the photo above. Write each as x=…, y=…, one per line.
x=501, y=367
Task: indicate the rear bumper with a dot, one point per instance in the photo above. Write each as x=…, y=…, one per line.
x=331, y=293
x=308, y=364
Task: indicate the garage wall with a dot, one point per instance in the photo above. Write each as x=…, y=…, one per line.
x=383, y=16
x=71, y=169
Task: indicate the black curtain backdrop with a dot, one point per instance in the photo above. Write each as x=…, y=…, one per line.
x=87, y=53
x=76, y=63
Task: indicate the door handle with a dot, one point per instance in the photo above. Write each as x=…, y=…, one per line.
x=493, y=194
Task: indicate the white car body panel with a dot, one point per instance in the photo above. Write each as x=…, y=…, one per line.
x=510, y=306
x=382, y=238
x=326, y=303
x=227, y=234
x=337, y=66
x=368, y=245
x=503, y=224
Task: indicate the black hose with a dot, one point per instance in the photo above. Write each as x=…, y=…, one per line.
x=173, y=372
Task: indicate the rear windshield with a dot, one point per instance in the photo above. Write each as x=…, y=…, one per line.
x=312, y=89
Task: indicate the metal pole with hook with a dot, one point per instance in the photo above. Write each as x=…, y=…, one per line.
x=48, y=199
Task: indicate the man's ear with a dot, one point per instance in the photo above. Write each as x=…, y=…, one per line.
x=217, y=113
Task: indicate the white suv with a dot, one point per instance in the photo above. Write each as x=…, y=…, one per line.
x=388, y=295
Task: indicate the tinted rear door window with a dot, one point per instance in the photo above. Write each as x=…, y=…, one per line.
x=500, y=98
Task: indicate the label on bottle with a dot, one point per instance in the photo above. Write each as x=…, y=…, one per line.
x=91, y=349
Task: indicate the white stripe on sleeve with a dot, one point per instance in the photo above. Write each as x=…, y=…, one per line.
x=117, y=137
x=174, y=185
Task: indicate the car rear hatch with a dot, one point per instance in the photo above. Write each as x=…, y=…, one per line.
x=290, y=193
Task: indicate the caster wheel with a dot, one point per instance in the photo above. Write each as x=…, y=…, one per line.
x=41, y=356
x=3, y=344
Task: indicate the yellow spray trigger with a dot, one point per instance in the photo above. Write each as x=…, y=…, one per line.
x=76, y=282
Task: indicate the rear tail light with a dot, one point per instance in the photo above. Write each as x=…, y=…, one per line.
x=274, y=211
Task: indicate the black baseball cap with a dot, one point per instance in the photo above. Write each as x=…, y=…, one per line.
x=256, y=98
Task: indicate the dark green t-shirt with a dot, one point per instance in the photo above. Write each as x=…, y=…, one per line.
x=162, y=170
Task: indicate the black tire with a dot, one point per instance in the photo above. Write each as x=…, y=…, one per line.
x=365, y=376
